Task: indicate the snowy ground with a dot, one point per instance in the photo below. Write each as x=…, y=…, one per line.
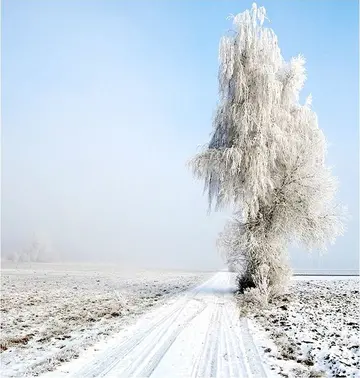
x=49, y=313
x=197, y=334
x=315, y=329
x=115, y=322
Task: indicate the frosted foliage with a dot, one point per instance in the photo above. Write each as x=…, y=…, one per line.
x=266, y=155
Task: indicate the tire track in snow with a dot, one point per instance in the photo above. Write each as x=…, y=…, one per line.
x=237, y=362
x=252, y=355
x=108, y=360
x=223, y=355
x=206, y=364
x=156, y=357
x=112, y=357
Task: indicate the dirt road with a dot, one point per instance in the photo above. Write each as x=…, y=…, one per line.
x=198, y=334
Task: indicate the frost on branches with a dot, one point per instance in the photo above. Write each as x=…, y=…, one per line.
x=266, y=156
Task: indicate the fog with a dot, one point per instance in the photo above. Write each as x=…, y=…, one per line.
x=104, y=178
x=101, y=108
x=120, y=195
x=94, y=158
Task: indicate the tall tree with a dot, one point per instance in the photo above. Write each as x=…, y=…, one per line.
x=266, y=156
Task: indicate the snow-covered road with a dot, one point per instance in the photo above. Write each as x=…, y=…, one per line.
x=197, y=334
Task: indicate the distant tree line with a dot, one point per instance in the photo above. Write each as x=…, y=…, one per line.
x=37, y=250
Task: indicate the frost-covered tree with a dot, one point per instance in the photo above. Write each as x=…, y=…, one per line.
x=266, y=156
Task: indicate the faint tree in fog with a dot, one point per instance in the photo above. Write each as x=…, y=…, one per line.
x=38, y=249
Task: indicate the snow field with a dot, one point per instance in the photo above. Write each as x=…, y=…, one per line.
x=314, y=332
x=49, y=315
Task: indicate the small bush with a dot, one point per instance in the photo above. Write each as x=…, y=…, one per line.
x=251, y=301
x=244, y=282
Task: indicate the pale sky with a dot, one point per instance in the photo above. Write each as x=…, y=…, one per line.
x=103, y=102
